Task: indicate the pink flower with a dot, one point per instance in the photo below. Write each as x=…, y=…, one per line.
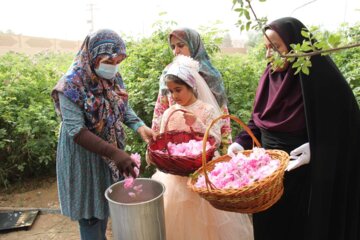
x=128, y=182
x=241, y=170
x=191, y=149
x=137, y=158
x=138, y=188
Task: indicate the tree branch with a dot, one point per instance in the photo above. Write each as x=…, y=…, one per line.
x=313, y=53
x=262, y=28
x=290, y=55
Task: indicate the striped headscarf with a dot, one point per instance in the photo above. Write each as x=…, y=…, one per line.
x=198, y=52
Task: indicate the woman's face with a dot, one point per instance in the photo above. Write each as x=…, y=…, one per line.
x=182, y=94
x=179, y=47
x=112, y=61
x=279, y=44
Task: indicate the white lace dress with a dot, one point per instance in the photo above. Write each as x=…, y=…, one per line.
x=187, y=215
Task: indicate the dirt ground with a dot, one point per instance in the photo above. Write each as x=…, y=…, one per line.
x=49, y=224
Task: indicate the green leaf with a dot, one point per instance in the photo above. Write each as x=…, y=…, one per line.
x=247, y=14
x=297, y=63
x=305, y=34
x=21, y=167
x=248, y=24
x=291, y=59
x=319, y=45
x=306, y=46
x=334, y=40
x=297, y=70
x=305, y=70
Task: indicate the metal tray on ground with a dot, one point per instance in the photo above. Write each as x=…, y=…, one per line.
x=16, y=220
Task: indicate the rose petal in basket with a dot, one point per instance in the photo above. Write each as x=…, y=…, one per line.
x=178, y=165
x=253, y=198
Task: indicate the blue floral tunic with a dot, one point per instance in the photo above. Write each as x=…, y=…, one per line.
x=82, y=176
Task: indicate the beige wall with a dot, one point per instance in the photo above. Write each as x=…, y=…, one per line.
x=33, y=45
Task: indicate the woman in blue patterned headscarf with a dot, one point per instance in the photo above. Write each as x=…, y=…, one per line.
x=188, y=42
x=93, y=104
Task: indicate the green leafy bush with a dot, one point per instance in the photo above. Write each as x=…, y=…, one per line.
x=241, y=74
x=146, y=59
x=28, y=124
x=348, y=60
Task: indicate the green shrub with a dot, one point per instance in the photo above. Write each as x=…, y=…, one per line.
x=348, y=60
x=28, y=124
x=241, y=74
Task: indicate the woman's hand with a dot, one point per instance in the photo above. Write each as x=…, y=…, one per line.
x=124, y=163
x=95, y=144
x=234, y=148
x=300, y=156
x=146, y=133
x=190, y=118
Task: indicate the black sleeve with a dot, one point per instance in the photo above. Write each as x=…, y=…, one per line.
x=244, y=139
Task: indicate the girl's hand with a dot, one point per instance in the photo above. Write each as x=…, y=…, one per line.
x=190, y=118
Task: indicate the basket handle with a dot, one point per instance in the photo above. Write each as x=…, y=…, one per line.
x=241, y=123
x=176, y=110
x=166, y=125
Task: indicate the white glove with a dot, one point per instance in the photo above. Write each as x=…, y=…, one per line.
x=301, y=156
x=234, y=148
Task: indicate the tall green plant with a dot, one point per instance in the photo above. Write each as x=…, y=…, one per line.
x=141, y=70
x=28, y=124
x=241, y=74
x=348, y=60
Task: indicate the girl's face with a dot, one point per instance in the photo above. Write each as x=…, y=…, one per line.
x=279, y=44
x=179, y=47
x=182, y=94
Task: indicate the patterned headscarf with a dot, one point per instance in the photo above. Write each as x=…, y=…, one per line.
x=198, y=52
x=103, y=101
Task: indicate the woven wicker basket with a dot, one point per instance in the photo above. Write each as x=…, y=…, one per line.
x=158, y=153
x=252, y=198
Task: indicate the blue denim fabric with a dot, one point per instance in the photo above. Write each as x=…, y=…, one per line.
x=93, y=229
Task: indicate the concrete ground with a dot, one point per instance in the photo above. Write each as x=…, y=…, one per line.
x=49, y=224
x=49, y=227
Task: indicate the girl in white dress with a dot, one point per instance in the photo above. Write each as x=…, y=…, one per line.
x=187, y=215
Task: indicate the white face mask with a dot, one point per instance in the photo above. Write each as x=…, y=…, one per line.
x=107, y=71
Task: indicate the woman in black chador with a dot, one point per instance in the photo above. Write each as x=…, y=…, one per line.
x=316, y=119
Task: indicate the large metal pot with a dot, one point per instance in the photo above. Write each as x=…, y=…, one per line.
x=140, y=217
